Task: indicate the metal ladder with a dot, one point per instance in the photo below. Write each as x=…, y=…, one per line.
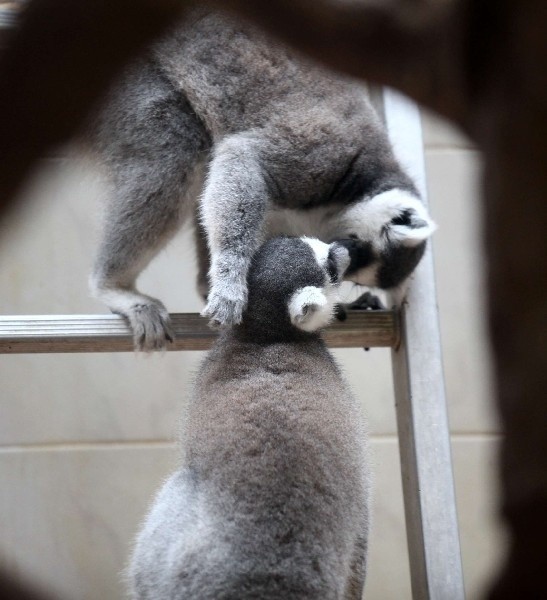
x=411, y=331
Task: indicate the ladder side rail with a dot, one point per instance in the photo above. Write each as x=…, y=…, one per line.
x=422, y=420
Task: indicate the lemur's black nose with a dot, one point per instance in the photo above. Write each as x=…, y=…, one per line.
x=361, y=253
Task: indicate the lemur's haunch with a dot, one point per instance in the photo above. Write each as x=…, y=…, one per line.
x=279, y=146
x=271, y=499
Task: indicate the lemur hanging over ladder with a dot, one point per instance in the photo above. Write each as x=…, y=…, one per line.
x=279, y=146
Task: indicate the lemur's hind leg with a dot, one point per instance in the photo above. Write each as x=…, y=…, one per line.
x=153, y=144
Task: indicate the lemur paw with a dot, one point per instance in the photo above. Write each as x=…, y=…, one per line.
x=340, y=312
x=225, y=306
x=366, y=301
x=151, y=325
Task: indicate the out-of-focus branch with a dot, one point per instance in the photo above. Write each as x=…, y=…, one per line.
x=57, y=64
x=403, y=44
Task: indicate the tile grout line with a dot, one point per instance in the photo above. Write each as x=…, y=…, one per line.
x=446, y=148
x=172, y=444
x=87, y=445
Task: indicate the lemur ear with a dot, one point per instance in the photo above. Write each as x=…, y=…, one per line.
x=411, y=228
x=310, y=309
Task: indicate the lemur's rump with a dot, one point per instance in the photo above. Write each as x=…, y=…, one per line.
x=278, y=145
x=271, y=499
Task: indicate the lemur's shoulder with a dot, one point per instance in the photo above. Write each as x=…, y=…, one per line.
x=238, y=79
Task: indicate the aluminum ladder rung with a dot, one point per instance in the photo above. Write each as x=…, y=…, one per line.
x=110, y=333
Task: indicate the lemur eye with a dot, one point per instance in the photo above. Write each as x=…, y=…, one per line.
x=353, y=236
x=405, y=218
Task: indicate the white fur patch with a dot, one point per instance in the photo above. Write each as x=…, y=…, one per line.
x=320, y=249
x=412, y=236
x=366, y=219
x=311, y=308
x=370, y=220
x=313, y=222
x=365, y=276
x=342, y=259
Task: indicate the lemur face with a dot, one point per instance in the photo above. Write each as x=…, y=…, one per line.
x=386, y=238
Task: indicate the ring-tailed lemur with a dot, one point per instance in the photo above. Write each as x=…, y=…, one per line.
x=287, y=148
x=272, y=498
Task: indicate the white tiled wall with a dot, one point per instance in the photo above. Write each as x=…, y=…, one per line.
x=85, y=439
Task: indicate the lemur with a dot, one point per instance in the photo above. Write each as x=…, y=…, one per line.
x=271, y=499
x=277, y=144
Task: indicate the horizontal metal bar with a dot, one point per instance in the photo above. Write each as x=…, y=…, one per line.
x=31, y=334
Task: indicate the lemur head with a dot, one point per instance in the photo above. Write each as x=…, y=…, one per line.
x=293, y=286
x=386, y=237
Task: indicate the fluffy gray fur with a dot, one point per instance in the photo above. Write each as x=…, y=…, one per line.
x=285, y=148
x=271, y=499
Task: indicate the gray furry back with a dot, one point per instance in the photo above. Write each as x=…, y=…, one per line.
x=271, y=499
